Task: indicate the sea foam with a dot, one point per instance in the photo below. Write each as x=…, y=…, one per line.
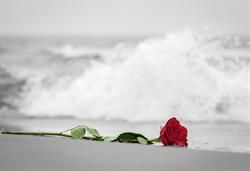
x=191, y=76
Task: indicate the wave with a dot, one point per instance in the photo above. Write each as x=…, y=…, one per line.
x=10, y=88
x=192, y=76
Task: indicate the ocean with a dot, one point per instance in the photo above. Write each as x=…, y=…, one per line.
x=201, y=79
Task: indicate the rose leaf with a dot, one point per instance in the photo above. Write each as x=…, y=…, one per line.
x=78, y=132
x=142, y=140
x=93, y=132
x=129, y=137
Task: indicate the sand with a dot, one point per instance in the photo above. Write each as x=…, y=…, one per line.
x=34, y=153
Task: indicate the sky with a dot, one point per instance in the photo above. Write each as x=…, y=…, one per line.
x=120, y=17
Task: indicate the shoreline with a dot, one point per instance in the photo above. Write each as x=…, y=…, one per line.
x=155, y=145
x=201, y=136
x=24, y=153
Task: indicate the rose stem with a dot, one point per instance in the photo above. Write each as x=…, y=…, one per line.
x=154, y=140
x=42, y=134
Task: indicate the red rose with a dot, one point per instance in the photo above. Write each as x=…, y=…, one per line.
x=173, y=133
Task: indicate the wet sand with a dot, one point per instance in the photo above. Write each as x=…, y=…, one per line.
x=34, y=153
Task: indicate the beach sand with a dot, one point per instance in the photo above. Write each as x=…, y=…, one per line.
x=229, y=137
x=34, y=153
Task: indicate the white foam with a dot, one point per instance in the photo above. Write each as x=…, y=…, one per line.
x=181, y=74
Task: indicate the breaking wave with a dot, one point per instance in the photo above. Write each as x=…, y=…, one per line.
x=191, y=76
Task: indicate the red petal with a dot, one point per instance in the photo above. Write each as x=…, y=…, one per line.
x=163, y=136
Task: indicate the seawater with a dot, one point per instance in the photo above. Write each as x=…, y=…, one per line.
x=195, y=77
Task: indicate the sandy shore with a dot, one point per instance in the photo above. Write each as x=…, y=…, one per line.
x=24, y=153
x=202, y=136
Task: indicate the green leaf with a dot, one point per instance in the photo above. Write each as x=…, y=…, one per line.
x=78, y=132
x=93, y=132
x=142, y=140
x=129, y=137
x=110, y=139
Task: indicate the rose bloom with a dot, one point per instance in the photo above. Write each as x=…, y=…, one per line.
x=173, y=133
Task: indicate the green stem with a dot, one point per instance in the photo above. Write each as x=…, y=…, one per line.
x=154, y=140
x=64, y=135
x=43, y=134
x=36, y=133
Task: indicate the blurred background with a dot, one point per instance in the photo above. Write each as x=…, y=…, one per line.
x=128, y=66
